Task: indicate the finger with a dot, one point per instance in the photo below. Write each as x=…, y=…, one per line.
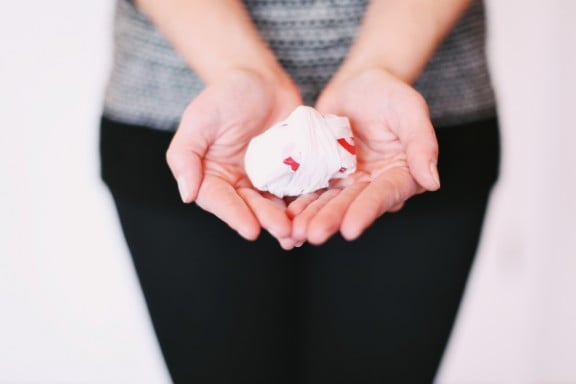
x=289, y=244
x=279, y=202
x=286, y=244
x=329, y=218
x=396, y=208
x=186, y=151
x=418, y=138
x=186, y=167
x=301, y=221
x=297, y=205
x=269, y=213
x=221, y=199
x=387, y=192
x=260, y=205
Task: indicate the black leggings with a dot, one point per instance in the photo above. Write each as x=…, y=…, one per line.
x=376, y=310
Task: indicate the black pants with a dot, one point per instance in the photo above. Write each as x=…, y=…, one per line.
x=376, y=310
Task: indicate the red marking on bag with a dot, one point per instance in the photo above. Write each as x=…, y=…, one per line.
x=294, y=165
x=350, y=147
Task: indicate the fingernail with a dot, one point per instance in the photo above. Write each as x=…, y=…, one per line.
x=248, y=233
x=434, y=173
x=298, y=244
x=183, y=189
x=286, y=244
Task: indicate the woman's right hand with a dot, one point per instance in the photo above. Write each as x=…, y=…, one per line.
x=206, y=155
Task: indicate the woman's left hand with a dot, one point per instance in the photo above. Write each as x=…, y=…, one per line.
x=396, y=151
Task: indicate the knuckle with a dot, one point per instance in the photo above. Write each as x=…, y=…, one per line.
x=172, y=157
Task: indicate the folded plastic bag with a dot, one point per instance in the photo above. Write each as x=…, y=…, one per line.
x=301, y=154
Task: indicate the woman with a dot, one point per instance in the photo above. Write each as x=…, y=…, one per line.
x=365, y=295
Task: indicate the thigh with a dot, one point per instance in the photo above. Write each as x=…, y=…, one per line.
x=380, y=309
x=223, y=308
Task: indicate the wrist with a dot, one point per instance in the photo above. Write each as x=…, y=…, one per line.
x=355, y=65
x=366, y=71
x=401, y=36
x=273, y=78
x=213, y=37
x=264, y=66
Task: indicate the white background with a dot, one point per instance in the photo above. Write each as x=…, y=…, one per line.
x=70, y=307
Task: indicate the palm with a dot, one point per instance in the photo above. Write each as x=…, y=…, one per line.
x=395, y=146
x=208, y=149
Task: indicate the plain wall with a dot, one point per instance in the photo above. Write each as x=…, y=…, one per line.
x=70, y=306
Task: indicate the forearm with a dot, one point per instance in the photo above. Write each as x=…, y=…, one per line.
x=214, y=37
x=401, y=35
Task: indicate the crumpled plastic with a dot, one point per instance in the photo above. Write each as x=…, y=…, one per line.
x=301, y=154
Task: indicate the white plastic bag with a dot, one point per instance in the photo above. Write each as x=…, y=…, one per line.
x=301, y=154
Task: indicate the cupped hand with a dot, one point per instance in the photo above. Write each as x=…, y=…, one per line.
x=206, y=155
x=396, y=152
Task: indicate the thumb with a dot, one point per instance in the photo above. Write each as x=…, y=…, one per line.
x=421, y=147
x=186, y=152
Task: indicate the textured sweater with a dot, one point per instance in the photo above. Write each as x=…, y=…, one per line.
x=151, y=85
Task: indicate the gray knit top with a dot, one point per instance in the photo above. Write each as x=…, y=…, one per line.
x=151, y=85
